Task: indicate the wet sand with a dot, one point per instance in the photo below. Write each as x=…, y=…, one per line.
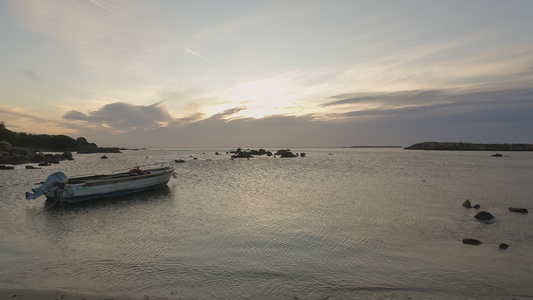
x=26, y=294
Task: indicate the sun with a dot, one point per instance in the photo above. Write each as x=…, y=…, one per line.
x=262, y=98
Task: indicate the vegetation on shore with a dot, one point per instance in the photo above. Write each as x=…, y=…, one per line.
x=20, y=147
x=469, y=146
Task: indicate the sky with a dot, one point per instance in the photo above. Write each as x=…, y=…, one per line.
x=250, y=73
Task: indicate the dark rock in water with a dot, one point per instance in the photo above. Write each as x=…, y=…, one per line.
x=4, y=167
x=503, y=246
x=472, y=242
x=103, y=157
x=497, y=155
x=31, y=167
x=67, y=155
x=476, y=206
x=467, y=204
x=285, y=153
x=484, y=216
x=518, y=210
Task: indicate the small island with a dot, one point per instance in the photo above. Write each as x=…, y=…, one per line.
x=460, y=146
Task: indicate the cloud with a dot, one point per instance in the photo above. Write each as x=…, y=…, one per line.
x=19, y=113
x=124, y=117
x=432, y=102
x=477, y=116
x=399, y=98
x=228, y=112
x=188, y=50
x=24, y=120
x=31, y=75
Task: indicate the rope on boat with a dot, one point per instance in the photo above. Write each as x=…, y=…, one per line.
x=47, y=207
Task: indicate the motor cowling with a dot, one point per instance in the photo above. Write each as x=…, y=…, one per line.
x=53, y=182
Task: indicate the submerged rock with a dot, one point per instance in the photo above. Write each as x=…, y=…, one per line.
x=472, y=242
x=476, y=206
x=503, y=246
x=518, y=210
x=467, y=204
x=484, y=216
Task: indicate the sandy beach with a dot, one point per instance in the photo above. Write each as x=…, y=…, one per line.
x=26, y=294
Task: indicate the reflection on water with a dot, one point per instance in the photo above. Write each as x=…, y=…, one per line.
x=355, y=224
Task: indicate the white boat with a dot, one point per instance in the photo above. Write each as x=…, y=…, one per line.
x=60, y=187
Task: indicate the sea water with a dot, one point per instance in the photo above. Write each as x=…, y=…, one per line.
x=345, y=223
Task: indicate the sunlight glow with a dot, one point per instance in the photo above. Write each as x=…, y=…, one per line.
x=262, y=98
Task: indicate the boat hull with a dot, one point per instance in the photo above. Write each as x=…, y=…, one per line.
x=110, y=187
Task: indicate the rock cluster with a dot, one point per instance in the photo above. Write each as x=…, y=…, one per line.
x=240, y=153
x=487, y=217
x=20, y=155
x=468, y=204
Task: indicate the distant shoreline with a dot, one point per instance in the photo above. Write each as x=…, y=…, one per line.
x=454, y=146
x=372, y=147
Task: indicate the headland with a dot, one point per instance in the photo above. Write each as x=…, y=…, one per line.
x=460, y=146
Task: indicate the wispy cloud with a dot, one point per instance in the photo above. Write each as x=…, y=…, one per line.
x=188, y=50
x=31, y=75
x=22, y=120
x=101, y=5
x=433, y=102
x=106, y=38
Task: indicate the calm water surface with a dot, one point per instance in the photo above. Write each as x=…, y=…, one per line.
x=338, y=224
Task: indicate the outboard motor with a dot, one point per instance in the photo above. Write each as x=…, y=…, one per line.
x=54, y=182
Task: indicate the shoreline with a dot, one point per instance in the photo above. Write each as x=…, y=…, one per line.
x=31, y=294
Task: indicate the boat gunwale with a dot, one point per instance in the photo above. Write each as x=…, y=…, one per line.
x=76, y=180
x=111, y=179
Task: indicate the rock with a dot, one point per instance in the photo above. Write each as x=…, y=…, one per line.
x=67, y=155
x=467, y=204
x=503, y=246
x=103, y=157
x=497, y=155
x=20, y=150
x=472, y=242
x=484, y=216
x=285, y=153
x=518, y=210
x=476, y=206
x=5, y=146
x=4, y=167
x=31, y=167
